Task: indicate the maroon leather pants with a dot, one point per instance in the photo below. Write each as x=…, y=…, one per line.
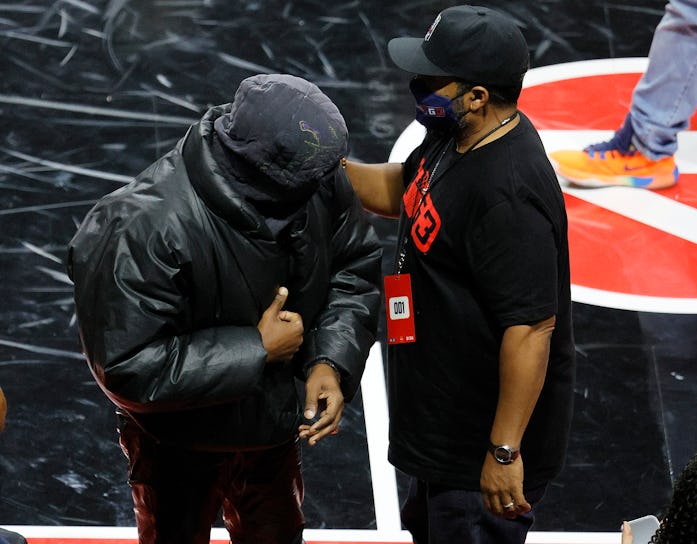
x=177, y=493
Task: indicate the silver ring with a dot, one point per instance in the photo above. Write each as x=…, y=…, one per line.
x=509, y=505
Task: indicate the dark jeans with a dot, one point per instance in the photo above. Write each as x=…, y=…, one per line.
x=178, y=493
x=437, y=514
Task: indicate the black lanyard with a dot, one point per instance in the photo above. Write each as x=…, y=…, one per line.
x=407, y=224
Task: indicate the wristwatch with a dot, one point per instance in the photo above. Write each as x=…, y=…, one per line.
x=504, y=453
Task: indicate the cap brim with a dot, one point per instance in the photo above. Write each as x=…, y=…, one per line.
x=408, y=54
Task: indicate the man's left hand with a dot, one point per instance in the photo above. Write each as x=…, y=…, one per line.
x=322, y=395
x=502, y=488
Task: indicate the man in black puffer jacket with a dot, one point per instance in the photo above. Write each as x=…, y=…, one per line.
x=236, y=263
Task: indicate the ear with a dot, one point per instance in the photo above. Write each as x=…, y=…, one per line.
x=480, y=97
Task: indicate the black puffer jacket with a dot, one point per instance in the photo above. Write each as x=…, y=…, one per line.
x=173, y=272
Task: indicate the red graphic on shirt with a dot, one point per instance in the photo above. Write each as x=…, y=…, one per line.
x=418, y=206
x=417, y=188
x=426, y=225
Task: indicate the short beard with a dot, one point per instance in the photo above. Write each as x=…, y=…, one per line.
x=462, y=125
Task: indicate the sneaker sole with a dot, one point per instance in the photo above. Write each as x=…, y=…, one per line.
x=634, y=182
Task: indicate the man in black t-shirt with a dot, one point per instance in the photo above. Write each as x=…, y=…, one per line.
x=481, y=354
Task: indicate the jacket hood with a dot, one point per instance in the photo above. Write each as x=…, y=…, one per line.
x=285, y=128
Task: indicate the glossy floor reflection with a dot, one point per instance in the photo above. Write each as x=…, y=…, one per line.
x=92, y=91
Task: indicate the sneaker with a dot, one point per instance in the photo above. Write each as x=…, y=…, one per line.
x=615, y=162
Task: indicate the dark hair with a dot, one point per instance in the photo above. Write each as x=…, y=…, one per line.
x=679, y=523
x=498, y=96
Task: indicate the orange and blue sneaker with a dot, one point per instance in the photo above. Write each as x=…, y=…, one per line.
x=615, y=162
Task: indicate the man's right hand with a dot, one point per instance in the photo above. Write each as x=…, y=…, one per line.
x=281, y=330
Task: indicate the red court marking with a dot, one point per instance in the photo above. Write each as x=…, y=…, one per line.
x=685, y=192
x=133, y=541
x=104, y=541
x=582, y=103
x=614, y=253
x=88, y=541
x=610, y=252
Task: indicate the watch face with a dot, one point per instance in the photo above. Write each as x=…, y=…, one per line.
x=503, y=455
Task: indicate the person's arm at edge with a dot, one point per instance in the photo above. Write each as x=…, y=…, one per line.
x=523, y=363
x=379, y=186
x=3, y=410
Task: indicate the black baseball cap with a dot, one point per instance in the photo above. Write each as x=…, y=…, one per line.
x=471, y=43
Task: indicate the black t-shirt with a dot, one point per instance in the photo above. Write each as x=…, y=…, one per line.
x=486, y=249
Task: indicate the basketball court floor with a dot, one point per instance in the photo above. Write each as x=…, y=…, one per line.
x=92, y=91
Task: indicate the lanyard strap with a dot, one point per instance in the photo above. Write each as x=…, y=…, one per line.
x=407, y=223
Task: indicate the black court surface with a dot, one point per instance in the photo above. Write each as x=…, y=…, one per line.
x=93, y=91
